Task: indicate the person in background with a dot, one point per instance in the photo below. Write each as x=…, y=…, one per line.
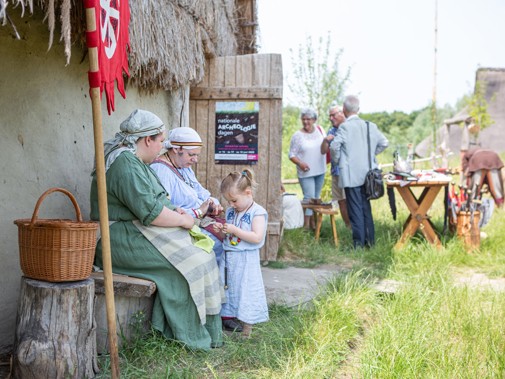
x=305, y=153
x=469, y=140
x=152, y=239
x=350, y=152
x=245, y=229
x=483, y=166
x=292, y=210
x=183, y=147
x=338, y=194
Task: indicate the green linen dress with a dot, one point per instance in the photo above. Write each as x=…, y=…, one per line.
x=134, y=193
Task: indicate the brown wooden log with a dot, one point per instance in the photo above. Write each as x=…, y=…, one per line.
x=55, y=331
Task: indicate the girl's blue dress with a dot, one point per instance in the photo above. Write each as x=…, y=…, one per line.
x=246, y=299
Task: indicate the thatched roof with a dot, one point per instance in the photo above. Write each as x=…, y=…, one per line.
x=493, y=137
x=170, y=39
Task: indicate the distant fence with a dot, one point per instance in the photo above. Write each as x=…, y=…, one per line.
x=382, y=165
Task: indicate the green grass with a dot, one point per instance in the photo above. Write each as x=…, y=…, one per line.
x=431, y=328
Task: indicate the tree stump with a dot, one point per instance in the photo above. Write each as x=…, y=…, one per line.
x=55, y=331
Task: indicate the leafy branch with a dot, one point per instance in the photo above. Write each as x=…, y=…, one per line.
x=318, y=79
x=477, y=107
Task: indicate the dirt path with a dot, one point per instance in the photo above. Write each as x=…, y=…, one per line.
x=475, y=279
x=292, y=286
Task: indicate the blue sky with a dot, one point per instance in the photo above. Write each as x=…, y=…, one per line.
x=389, y=44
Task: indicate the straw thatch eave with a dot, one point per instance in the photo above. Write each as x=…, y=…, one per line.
x=169, y=47
x=170, y=39
x=460, y=117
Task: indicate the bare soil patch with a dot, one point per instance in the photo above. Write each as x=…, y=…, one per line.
x=478, y=280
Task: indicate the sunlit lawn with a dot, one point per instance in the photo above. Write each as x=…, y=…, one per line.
x=432, y=327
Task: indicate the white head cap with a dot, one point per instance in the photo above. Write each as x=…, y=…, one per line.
x=184, y=137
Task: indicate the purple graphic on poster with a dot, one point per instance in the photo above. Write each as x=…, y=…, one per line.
x=236, y=132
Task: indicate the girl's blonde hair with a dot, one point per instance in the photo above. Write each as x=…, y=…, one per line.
x=239, y=181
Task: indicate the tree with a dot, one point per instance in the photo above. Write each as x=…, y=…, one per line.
x=402, y=129
x=423, y=123
x=317, y=77
x=477, y=107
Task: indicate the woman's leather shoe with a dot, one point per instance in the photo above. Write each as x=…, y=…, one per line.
x=232, y=325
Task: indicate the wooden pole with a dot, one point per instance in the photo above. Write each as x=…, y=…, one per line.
x=102, y=201
x=434, y=93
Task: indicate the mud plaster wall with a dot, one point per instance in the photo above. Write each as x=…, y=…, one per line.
x=46, y=131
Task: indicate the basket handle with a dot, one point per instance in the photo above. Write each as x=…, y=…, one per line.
x=78, y=215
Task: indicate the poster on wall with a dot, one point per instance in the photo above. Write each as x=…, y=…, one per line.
x=236, y=132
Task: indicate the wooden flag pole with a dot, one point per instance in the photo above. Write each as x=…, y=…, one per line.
x=102, y=201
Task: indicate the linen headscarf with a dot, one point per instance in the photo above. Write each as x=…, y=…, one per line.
x=184, y=137
x=139, y=124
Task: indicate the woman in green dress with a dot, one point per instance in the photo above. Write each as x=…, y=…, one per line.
x=152, y=239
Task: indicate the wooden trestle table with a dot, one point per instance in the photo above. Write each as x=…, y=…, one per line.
x=418, y=207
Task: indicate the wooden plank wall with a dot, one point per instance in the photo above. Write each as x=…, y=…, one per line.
x=255, y=77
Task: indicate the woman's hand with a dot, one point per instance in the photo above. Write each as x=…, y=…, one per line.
x=218, y=209
x=304, y=166
x=169, y=218
x=187, y=221
x=208, y=207
x=218, y=227
x=301, y=165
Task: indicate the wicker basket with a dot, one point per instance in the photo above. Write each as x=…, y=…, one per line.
x=56, y=250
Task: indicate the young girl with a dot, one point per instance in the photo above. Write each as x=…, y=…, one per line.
x=245, y=231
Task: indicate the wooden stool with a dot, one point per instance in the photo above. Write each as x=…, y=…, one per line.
x=319, y=212
x=314, y=207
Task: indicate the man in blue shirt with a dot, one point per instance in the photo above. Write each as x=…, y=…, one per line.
x=338, y=194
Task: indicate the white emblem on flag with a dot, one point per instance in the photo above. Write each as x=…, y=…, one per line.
x=109, y=26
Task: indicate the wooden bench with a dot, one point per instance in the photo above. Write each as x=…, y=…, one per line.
x=133, y=300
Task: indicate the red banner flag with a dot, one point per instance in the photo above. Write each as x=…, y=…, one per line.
x=112, y=40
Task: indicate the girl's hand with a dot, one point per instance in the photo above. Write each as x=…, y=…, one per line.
x=180, y=211
x=229, y=228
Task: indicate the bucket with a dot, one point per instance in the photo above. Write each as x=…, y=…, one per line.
x=468, y=229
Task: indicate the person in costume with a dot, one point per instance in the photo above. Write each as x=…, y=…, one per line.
x=483, y=166
x=245, y=230
x=152, y=239
x=183, y=147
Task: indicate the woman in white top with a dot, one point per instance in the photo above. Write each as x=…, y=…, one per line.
x=183, y=147
x=305, y=153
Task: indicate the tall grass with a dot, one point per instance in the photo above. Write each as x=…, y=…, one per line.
x=432, y=327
